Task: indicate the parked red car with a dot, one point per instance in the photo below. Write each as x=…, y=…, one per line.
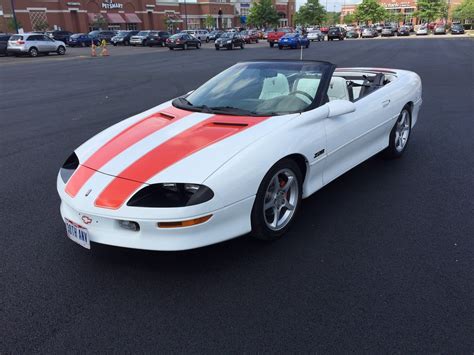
x=274, y=36
x=249, y=36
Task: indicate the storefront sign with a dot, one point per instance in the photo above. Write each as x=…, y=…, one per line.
x=109, y=4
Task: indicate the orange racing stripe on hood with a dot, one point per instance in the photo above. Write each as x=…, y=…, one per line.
x=120, y=142
x=198, y=137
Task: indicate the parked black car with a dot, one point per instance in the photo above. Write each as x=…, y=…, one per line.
x=182, y=40
x=4, y=43
x=158, y=39
x=122, y=38
x=457, y=29
x=215, y=35
x=62, y=36
x=100, y=35
x=229, y=40
x=336, y=33
x=81, y=40
x=403, y=31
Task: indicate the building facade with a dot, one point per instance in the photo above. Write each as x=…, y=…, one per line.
x=405, y=8
x=86, y=15
x=173, y=15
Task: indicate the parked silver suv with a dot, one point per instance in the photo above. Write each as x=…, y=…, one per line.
x=34, y=44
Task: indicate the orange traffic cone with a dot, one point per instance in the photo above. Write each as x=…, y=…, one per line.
x=93, y=50
x=105, y=52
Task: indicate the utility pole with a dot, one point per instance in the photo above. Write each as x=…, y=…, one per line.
x=12, y=2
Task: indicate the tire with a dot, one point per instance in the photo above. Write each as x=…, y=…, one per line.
x=198, y=46
x=280, y=47
x=83, y=44
x=229, y=48
x=171, y=48
x=33, y=52
x=61, y=50
x=207, y=40
x=185, y=47
x=241, y=46
x=272, y=44
x=399, y=135
x=114, y=44
x=163, y=44
x=307, y=45
x=126, y=43
x=217, y=48
x=264, y=226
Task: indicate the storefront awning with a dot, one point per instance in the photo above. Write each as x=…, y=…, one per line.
x=92, y=17
x=174, y=18
x=132, y=18
x=115, y=18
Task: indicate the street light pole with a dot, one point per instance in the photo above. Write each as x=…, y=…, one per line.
x=185, y=15
x=12, y=2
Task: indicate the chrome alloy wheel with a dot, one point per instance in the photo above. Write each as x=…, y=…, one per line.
x=402, y=130
x=281, y=198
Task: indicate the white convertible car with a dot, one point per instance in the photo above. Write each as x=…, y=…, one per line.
x=234, y=156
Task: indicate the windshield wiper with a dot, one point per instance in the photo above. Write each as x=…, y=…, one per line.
x=235, y=110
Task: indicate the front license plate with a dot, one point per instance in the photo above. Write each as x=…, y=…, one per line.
x=77, y=234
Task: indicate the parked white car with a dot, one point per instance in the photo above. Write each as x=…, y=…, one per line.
x=422, y=31
x=202, y=35
x=33, y=44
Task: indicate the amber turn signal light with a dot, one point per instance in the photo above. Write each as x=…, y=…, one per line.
x=188, y=223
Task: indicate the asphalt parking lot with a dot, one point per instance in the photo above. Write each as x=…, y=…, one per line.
x=380, y=260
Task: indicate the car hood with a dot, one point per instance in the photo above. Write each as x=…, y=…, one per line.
x=169, y=144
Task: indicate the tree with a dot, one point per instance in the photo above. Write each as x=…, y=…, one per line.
x=370, y=11
x=11, y=25
x=99, y=22
x=429, y=10
x=312, y=13
x=464, y=11
x=332, y=18
x=263, y=14
x=349, y=19
x=210, y=22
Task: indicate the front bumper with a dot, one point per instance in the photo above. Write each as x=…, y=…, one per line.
x=226, y=223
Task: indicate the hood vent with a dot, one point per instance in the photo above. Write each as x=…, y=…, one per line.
x=166, y=115
x=230, y=124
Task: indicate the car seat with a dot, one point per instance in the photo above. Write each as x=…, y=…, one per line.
x=338, y=89
x=274, y=87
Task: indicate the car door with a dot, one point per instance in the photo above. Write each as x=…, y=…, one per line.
x=356, y=136
x=46, y=44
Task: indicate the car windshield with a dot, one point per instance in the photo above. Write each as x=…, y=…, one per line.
x=77, y=35
x=289, y=35
x=176, y=36
x=122, y=33
x=227, y=35
x=259, y=89
x=93, y=33
x=143, y=33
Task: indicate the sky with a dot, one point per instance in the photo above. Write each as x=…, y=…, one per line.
x=330, y=3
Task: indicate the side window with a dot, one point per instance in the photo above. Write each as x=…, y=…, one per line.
x=32, y=38
x=46, y=38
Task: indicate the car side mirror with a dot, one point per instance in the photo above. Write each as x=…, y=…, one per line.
x=340, y=107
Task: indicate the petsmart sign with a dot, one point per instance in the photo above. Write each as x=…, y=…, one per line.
x=109, y=4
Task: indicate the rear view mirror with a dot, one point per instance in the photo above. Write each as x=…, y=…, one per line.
x=340, y=107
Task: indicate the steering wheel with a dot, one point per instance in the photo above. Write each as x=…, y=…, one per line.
x=305, y=94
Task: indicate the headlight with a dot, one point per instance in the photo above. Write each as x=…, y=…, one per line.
x=69, y=166
x=229, y=42
x=171, y=195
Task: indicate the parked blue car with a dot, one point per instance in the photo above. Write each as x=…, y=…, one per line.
x=293, y=40
x=81, y=40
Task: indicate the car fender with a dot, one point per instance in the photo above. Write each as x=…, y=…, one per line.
x=241, y=176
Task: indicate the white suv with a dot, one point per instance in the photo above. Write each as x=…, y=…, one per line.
x=34, y=44
x=202, y=35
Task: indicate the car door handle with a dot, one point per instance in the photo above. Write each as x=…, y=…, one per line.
x=385, y=103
